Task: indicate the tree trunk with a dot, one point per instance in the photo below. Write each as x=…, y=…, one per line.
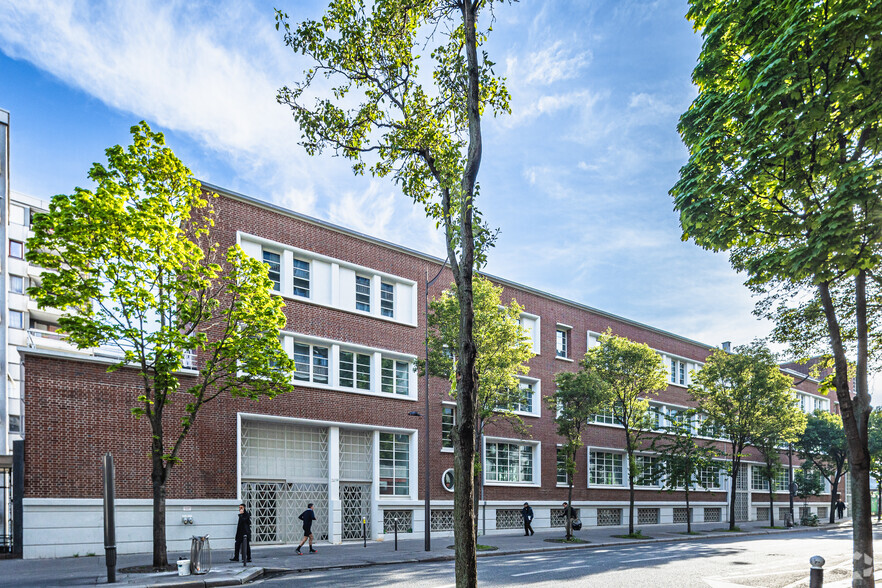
x=734, y=483
x=834, y=492
x=567, y=518
x=771, y=502
x=631, y=495
x=688, y=512
x=160, y=552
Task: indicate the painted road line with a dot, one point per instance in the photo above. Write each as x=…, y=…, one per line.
x=564, y=569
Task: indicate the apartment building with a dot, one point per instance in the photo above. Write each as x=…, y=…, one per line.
x=346, y=439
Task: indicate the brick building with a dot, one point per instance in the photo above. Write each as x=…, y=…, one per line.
x=344, y=439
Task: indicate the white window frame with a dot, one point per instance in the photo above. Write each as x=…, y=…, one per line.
x=396, y=381
x=21, y=323
x=536, y=457
x=387, y=299
x=563, y=334
x=565, y=484
x=295, y=278
x=623, y=467
x=311, y=361
x=452, y=407
x=24, y=284
x=263, y=259
x=395, y=464
x=658, y=464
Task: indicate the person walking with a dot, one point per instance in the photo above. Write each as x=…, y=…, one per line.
x=527, y=513
x=569, y=513
x=243, y=530
x=840, y=509
x=307, y=516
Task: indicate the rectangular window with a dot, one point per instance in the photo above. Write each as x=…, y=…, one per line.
x=362, y=293
x=16, y=249
x=678, y=372
x=709, y=476
x=16, y=319
x=447, y=421
x=273, y=263
x=781, y=481
x=758, y=480
x=355, y=370
x=17, y=215
x=522, y=398
x=657, y=416
x=649, y=471
x=14, y=423
x=387, y=299
x=509, y=462
x=605, y=416
x=17, y=284
x=605, y=468
x=395, y=377
x=562, y=477
x=563, y=342
x=301, y=278
x=394, y=464
x=311, y=363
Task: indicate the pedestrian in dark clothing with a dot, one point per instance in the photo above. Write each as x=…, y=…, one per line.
x=527, y=513
x=307, y=516
x=840, y=509
x=243, y=529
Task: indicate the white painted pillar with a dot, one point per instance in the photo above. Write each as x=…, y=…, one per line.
x=376, y=512
x=335, y=510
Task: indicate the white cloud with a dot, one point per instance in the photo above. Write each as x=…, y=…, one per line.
x=553, y=63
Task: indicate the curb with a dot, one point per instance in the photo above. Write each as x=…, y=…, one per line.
x=206, y=581
x=501, y=552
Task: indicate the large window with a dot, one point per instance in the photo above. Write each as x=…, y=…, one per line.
x=709, y=476
x=395, y=377
x=387, y=300
x=362, y=293
x=301, y=278
x=521, y=399
x=605, y=468
x=563, y=342
x=509, y=462
x=649, y=471
x=606, y=416
x=562, y=477
x=782, y=483
x=447, y=421
x=355, y=370
x=273, y=263
x=678, y=372
x=311, y=363
x=758, y=480
x=394, y=464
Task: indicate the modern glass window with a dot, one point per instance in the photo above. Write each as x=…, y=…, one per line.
x=17, y=284
x=311, y=363
x=605, y=468
x=273, y=263
x=563, y=342
x=387, y=300
x=649, y=471
x=709, y=476
x=758, y=480
x=395, y=377
x=16, y=249
x=16, y=319
x=562, y=477
x=447, y=421
x=355, y=370
x=301, y=278
x=394, y=464
x=678, y=372
x=362, y=293
x=509, y=462
x=14, y=423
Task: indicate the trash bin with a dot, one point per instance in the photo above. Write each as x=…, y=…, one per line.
x=183, y=567
x=200, y=555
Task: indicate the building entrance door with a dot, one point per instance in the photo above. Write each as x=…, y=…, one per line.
x=356, y=503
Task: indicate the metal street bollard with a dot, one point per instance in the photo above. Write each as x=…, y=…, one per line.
x=816, y=575
x=246, y=551
x=364, y=530
x=396, y=533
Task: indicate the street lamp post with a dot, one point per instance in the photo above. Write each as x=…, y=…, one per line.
x=428, y=511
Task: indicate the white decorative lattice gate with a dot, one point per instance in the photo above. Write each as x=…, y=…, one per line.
x=742, y=496
x=284, y=468
x=356, y=473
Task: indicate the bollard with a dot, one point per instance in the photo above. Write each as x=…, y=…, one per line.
x=246, y=551
x=364, y=530
x=816, y=575
x=396, y=533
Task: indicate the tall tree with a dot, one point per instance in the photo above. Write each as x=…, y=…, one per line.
x=687, y=459
x=743, y=395
x=503, y=350
x=784, y=171
x=132, y=266
x=823, y=446
x=388, y=117
x=634, y=373
x=786, y=428
x=578, y=396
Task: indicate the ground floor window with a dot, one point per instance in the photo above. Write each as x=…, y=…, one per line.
x=394, y=464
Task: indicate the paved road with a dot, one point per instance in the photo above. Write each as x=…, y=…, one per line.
x=764, y=561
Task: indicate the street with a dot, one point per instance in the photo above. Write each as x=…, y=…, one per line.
x=773, y=562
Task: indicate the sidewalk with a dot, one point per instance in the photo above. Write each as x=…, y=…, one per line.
x=86, y=571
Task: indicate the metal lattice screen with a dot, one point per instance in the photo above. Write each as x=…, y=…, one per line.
x=713, y=515
x=681, y=515
x=742, y=510
x=356, y=455
x=355, y=500
x=783, y=513
x=405, y=521
x=823, y=512
x=442, y=520
x=647, y=516
x=762, y=513
x=276, y=506
x=558, y=519
x=509, y=519
x=804, y=511
x=608, y=517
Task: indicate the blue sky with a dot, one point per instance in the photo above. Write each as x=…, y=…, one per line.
x=576, y=178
